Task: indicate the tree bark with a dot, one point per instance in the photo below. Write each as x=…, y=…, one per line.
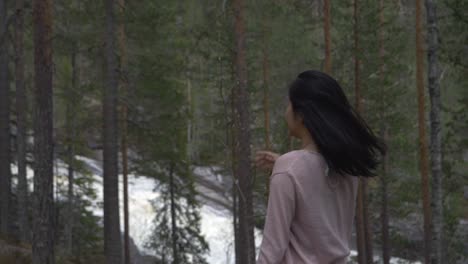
x=21, y=110
x=112, y=239
x=326, y=31
x=266, y=82
x=266, y=29
x=70, y=133
x=423, y=148
x=175, y=257
x=384, y=135
x=235, y=209
x=43, y=229
x=367, y=223
x=436, y=136
x=5, y=151
x=384, y=213
x=230, y=137
x=242, y=143
x=360, y=231
x=363, y=230
x=124, y=145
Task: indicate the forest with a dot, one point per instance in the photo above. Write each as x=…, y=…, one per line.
x=129, y=129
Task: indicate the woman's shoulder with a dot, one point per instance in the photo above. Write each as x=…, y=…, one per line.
x=292, y=160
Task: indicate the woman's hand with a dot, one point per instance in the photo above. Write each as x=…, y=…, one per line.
x=265, y=159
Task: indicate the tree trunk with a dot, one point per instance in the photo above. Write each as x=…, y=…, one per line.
x=21, y=110
x=384, y=212
x=384, y=135
x=230, y=137
x=360, y=243
x=242, y=143
x=436, y=136
x=43, y=229
x=112, y=239
x=5, y=172
x=70, y=133
x=235, y=209
x=367, y=223
x=190, y=154
x=175, y=258
x=124, y=145
x=423, y=149
x=326, y=32
x=266, y=83
x=360, y=232
x=363, y=226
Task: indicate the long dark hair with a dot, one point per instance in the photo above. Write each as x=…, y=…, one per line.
x=340, y=133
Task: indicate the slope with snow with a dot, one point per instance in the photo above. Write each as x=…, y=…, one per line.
x=216, y=221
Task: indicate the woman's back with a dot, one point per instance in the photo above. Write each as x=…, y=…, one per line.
x=310, y=214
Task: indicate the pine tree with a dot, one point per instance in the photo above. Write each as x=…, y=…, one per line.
x=266, y=30
x=5, y=152
x=123, y=83
x=159, y=133
x=423, y=149
x=242, y=139
x=112, y=239
x=326, y=31
x=70, y=151
x=21, y=113
x=360, y=225
x=176, y=235
x=433, y=76
x=266, y=33
x=384, y=136
x=363, y=225
x=43, y=239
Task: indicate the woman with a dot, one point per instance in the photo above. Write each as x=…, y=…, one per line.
x=313, y=190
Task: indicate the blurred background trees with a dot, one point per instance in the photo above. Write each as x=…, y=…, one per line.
x=160, y=89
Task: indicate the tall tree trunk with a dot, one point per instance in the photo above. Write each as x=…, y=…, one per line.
x=326, y=32
x=124, y=145
x=5, y=172
x=266, y=83
x=112, y=239
x=423, y=148
x=242, y=143
x=70, y=132
x=266, y=29
x=230, y=137
x=175, y=252
x=367, y=223
x=360, y=233
x=235, y=209
x=384, y=213
x=384, y=135
x=436, y=136
x=363, y=230
x=43, y=229
x=190, y=148
x=21, y=110
x=70, y=210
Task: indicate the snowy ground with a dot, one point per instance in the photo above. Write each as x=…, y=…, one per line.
x=216, y=223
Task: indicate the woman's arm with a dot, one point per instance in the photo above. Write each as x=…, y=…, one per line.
x=280, y=212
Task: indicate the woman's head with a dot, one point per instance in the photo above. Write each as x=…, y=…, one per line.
x=318, y=104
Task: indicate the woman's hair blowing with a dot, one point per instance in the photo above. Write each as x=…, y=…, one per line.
x=342, y=136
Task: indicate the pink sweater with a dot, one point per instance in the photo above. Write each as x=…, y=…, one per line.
x=310, y=215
